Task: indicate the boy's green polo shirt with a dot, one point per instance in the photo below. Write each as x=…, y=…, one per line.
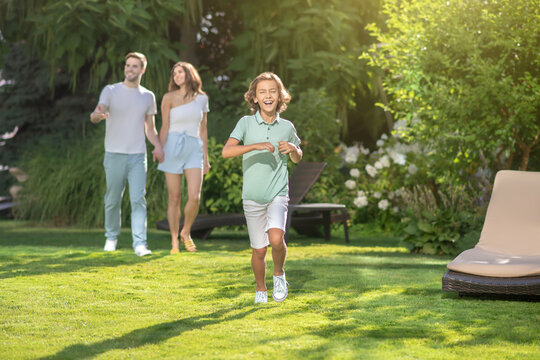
x=265, y=173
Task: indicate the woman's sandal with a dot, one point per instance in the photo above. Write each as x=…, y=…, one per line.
x=189, y=244
x=175, y=248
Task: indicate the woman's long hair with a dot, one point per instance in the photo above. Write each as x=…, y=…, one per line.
x=192, y=80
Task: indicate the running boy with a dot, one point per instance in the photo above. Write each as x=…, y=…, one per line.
x=267, y=139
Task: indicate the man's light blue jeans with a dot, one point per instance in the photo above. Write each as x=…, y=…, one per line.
x=118, y=169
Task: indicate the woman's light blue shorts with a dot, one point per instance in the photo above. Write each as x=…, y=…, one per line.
x=181, y=152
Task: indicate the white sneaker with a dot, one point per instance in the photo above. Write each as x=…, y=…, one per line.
x=110, y=245
x=261, y=297
x=142, y=250
x=279, y=292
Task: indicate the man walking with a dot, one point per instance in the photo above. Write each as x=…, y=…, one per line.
x=129, y=110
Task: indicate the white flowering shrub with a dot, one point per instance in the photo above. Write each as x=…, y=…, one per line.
x=396, y=185
x=376, y=179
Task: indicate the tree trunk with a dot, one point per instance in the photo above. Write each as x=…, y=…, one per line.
x=525, y=158
x=526, y=149
x=387, y=115
x=188, y=38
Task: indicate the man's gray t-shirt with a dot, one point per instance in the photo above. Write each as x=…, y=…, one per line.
x=127, y=108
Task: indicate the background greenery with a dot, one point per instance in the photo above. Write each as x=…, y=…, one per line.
x=438, y=95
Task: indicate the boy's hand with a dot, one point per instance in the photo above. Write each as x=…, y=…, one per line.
x=286, y=147
x=264, y=146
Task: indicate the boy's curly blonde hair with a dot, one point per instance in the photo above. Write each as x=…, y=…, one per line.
x=250, y=95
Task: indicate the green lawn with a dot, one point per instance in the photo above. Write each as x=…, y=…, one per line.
x=62, y=297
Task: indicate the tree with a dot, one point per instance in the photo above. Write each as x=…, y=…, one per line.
x=92, y=36
x=310, y=44
x=468, y=71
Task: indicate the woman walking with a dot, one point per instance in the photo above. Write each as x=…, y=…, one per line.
x=184, y=138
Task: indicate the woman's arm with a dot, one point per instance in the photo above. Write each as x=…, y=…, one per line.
x=204, y=136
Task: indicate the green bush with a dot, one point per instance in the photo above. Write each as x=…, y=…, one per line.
x=441, y=232
x=222, y=187
x=468, y=73
x=313, y=114
x=66, y=185
x=392, y=187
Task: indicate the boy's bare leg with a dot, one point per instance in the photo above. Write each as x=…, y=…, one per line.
x=258, y=264
x=279, y=249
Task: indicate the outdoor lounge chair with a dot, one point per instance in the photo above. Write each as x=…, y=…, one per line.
x=6, y=206
x=506, y=260
x=304, y=218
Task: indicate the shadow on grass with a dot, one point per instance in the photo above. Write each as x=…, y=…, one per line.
x=38, y=263
x=151, y=335
x=22, y=233
x=332, y=265
x=29, y=255
x=361, y=326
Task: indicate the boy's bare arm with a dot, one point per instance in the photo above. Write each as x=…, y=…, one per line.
x=232, y=148
x=295, y=153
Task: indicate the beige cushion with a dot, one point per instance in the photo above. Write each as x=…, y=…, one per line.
x=509, y=244
x=478, y=261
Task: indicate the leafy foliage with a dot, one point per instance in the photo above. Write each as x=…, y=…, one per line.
x=440, y=232
x=313, y=114
x=94, y=35
x=27, y=103
x=470, y=71
x=280, y=37
x=66, y=185
x=226, y=103
x=463, y=78
x=391, y=186
x=222, y=187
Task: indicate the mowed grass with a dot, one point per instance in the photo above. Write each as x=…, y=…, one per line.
x=62, y=297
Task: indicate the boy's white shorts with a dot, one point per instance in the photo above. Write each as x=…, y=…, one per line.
x=262, y=217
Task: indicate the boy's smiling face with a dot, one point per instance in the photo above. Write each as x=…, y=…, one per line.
x=267, y=96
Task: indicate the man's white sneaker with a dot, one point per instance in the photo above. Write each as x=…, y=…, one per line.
x=279, y=292
x=142, y=250
x=110, y=245
x=261, y=297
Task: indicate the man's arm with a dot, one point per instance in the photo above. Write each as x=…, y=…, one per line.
x=152, y=135
x=232, y=149
x=165, y=112
x=100, y=113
